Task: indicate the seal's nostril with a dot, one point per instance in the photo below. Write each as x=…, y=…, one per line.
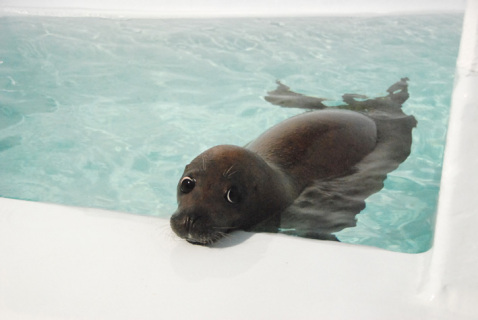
x=189, y=222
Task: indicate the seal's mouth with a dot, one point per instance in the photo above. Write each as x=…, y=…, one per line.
x=204, y=239
x=196, y=229
x=196, y=242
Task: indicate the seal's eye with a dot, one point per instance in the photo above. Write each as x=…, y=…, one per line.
x=187, y=184
x=233, y=195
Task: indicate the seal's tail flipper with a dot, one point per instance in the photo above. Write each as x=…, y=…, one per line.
x=284, y=97
x=398, y=92
x=397, y=95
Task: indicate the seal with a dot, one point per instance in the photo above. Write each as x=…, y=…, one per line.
x=307, y=176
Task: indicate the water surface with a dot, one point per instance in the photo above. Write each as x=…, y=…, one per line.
x=107, y=112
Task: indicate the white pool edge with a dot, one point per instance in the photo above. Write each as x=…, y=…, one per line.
x=218, y=8
x=71, y=263
x=453, y=279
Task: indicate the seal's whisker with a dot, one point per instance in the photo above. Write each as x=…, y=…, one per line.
x=218, y=235
x=162, y=228
x=167, y=234
x=224, y=174
x=227, y=173
x=204, y=163
x=225, y=235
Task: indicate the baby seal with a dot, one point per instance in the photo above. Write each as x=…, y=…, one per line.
x=307, y=175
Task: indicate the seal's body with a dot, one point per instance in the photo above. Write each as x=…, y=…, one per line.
x=288, y=176
x=317, y=145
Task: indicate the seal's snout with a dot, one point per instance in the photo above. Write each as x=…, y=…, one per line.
x=195, y=227
x=189, y=222
x=181, y=223
x=184, y=225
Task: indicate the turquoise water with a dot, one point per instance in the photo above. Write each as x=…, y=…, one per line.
x=106, y=113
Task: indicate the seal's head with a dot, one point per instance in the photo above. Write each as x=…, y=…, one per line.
x=223, y=189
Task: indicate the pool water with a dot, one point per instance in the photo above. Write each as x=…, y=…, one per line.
x=106, y=113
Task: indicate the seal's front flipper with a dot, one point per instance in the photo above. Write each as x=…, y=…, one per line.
x=284, y=97
x=325, y=207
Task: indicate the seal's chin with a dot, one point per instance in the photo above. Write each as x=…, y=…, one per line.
x=205, y=239
x=193, y=241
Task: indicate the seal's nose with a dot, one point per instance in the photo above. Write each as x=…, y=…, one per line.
x=182, y=223
x=189, y=222
x=175, y=223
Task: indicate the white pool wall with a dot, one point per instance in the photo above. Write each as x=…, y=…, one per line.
x=221, y=8
x=455, y=248
x=59, y=262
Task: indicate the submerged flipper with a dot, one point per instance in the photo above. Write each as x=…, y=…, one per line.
x=328, y=206
x=284, y=97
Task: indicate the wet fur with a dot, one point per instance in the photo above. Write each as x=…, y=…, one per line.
x=313, y=209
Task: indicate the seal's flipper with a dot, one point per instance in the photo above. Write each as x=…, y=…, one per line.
x=398, y=92
x=332, y=205
x=284, y=97
x=350, y=98
x=328, y=206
